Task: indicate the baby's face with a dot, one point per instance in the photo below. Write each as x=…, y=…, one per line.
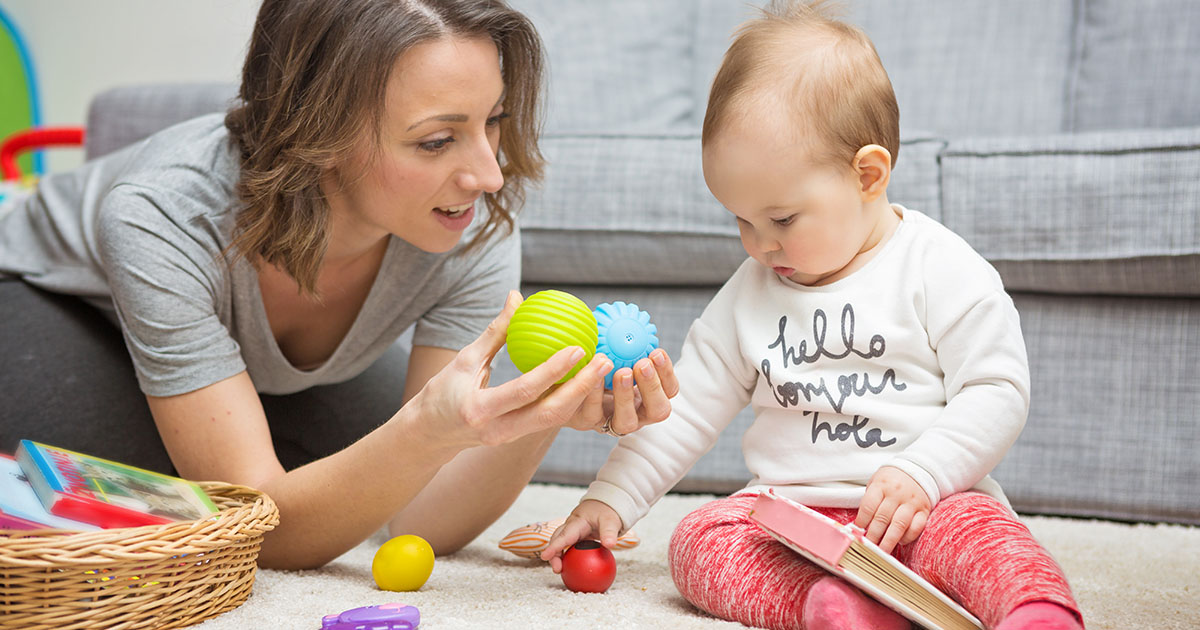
x=806, y=223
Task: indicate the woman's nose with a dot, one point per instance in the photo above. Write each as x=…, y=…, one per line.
x=482, y=172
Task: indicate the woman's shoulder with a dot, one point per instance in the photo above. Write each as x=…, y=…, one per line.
x=192, y=159
x=178, y=181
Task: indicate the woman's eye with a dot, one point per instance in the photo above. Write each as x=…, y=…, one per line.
x=436, y=146
x=495, y=120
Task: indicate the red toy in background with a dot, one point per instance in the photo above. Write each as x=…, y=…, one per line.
x=588, y=567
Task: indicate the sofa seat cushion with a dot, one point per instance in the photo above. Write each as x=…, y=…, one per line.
x=1102, y=213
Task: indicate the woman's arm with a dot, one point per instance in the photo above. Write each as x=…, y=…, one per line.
x=332, y=504
x=327, y=506
x=477, y=486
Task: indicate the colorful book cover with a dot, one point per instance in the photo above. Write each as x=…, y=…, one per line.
x=20, y=507
x=845, y=551
x=107, y=493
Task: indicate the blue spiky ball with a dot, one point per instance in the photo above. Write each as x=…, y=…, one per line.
x=626, y=335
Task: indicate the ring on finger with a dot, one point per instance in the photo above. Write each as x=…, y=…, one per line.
x=608, y=430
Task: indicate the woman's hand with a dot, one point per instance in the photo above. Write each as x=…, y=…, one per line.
x=640, y=396
x=457, y=409
x=589, y=520
x=894, y=509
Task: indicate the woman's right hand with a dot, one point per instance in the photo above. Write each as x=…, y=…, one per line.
x=458, y=410
x=590, y=520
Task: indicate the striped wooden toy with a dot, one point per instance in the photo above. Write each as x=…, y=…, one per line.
x=529, y=541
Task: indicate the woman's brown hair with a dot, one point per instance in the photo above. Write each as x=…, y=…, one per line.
x=315, y=79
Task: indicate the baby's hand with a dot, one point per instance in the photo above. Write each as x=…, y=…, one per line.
x=894, y=509
x=587, y=520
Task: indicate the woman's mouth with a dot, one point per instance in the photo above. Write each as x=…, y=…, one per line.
x=455, y=218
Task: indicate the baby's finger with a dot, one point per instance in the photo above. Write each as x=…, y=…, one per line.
x=914, y=530
x=868, y=506
x=880, y=522
x=624, y=418
x=569, y=533
x=655, y=404
x=897, y=529
x=610, y=529
x=666, y=372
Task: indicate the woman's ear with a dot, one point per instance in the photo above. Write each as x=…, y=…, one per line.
x=873, y=164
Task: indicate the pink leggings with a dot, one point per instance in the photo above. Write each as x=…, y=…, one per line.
x=972, y=548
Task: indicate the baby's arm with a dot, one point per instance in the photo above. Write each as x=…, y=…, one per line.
x=975, y=330
x=715, y=383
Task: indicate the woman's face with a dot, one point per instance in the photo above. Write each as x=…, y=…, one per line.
x=441, y=132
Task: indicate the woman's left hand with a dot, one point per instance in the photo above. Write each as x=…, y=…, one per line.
x=640, y=396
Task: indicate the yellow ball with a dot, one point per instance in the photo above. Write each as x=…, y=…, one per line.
x=403, y=563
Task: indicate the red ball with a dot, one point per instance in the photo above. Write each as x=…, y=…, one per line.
x=588, y=567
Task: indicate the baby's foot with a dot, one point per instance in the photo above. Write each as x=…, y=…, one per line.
x=1040, y=616
x=833, y=604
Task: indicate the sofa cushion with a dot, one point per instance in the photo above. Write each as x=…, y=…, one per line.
x=1137, y=65
x=995, y=70
x=1044, y=209
x=618, y=65
x=1113, y=429
x=126, y=114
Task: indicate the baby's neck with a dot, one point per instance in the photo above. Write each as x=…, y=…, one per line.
x=888, y=219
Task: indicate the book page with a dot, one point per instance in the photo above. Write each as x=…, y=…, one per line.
x=866, y=564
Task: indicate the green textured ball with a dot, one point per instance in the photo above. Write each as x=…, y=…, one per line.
x=547, y=322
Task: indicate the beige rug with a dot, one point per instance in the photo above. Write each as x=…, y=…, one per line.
x=1125, y=577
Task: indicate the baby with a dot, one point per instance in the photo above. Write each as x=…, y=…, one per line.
x=880, y=354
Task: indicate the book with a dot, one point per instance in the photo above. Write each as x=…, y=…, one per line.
x=20, y=507
x=845, y=551
x=107, y=493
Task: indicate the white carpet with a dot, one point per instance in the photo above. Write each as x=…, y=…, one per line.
x=1144, y=576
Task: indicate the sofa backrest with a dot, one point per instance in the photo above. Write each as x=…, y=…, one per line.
x=960, y=68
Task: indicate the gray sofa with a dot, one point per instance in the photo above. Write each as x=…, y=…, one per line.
x=1061, y=138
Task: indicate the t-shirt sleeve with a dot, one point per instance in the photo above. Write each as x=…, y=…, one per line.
x=164, y=280
x=478, y=283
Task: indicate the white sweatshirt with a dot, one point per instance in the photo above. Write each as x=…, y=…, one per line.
x=914, y=361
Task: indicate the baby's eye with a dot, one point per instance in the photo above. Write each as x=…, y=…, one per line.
x=495, y=120
x=784, y=221
x=436, y=146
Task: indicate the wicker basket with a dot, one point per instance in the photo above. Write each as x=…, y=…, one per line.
x=156, y=576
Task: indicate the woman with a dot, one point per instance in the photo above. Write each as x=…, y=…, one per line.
x=287, y=246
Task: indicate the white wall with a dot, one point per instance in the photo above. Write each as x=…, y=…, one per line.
x=82, y=47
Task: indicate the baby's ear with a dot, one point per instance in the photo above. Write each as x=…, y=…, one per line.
x=873, y=164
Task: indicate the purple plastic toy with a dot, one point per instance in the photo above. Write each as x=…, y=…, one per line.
x=381, y=617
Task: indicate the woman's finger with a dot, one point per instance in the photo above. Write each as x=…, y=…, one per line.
x=655, y=406
x=566, y=401
x=666, y=372
x=484, y=348
x=532, y=385
x=593, y=410
x=624, y=418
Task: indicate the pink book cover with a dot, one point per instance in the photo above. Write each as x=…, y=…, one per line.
x=824, y=541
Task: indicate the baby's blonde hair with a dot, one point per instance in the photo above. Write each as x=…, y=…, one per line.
x=824, y=71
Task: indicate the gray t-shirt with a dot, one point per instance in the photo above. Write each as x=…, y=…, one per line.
x=141, y=232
